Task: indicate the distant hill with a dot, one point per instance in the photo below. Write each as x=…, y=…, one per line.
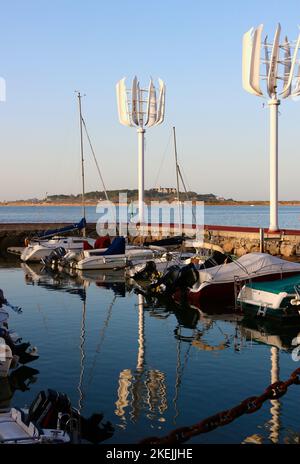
x=167, y=194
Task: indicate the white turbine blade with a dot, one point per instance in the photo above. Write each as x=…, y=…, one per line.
x=134, y=100
x=122, y=100
x=296, y=90
x=272, y=76
x=267, y=57
x=140, y=106
x=151, y=106
x=287, y=69
x=161, y=103
x=255, y=60
x=249, y=51
x=292, y=67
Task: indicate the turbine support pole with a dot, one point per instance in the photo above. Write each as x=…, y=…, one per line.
x=141, y=144
x=274, y=104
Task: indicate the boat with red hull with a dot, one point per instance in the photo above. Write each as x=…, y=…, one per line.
x=219, y=285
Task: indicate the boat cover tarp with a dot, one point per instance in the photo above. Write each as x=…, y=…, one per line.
x=117, y=247
x=50, y=233
x=248, y=266
x=286, y=285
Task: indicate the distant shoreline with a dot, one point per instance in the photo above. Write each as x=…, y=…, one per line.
x=223, y=203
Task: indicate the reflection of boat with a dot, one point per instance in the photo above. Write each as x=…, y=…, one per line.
x=52, y=281
x=12, y=352
x=19, y=379
x=219, y=285
x=268, y=333
x=113, y=280
x=278, y=299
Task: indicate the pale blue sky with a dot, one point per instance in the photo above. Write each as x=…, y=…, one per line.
x=48, y=49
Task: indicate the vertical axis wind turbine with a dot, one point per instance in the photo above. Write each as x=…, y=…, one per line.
x=141, y=108
x=280, y=60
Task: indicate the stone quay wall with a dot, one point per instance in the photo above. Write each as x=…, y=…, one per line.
x=235, y=240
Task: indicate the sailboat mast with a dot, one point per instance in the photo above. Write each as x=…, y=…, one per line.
x=177, y=176
x=82, y=161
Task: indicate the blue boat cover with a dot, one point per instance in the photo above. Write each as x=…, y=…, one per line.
x=50, y=233
x=117, y=247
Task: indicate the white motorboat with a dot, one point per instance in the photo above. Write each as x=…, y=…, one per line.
x=116, y=256
x=38, y=250
x=219, y=285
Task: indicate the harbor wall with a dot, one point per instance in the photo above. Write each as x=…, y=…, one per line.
x=235, y=240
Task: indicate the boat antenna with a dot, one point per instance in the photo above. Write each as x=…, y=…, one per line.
x=177, y=177
x=79, y=95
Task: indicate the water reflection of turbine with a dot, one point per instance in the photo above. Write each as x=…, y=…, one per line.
x=276, y=406
x=276, y=344
x=142, y=387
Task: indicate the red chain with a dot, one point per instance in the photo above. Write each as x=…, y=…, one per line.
x=248, y=406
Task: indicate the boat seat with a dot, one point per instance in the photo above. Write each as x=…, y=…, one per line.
x=12, y=427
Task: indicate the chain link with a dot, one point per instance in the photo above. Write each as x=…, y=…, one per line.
x=250, y=405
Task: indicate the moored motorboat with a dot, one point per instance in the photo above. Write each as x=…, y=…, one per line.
x=220, y=285
x=278, y=300
x=38, y=250
x=116, y=256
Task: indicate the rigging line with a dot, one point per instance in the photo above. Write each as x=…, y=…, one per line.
x=95, y=159
x=177, y=178
x=162, y=161
x=186, y=178
x=99, y=171
x=102, y=336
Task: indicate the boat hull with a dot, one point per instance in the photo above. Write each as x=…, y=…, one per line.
x=102, y=263
x=222, y=294
x=282, y=315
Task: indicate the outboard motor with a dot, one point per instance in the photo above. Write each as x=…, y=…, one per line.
x=52, y=409
x=188, y=276
x=148, y=272
x=54, y=257
x=176, y=277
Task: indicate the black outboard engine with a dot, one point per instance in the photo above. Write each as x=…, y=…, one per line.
x=148, y=272
x=54, y=257
x=176, y=277
x=188, y=276
x=51, y=407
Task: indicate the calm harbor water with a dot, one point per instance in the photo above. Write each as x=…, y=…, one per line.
x=251, y=216
x=148, y=367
